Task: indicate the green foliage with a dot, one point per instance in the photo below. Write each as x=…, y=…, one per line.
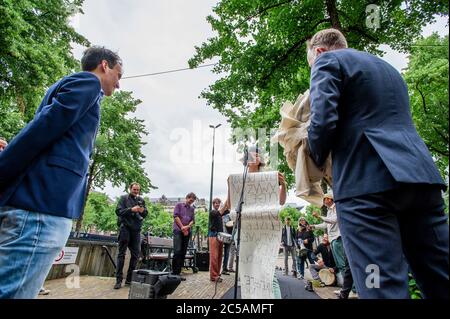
x=292, y=212
x=260, y=49
x=427, y=78
x=35, y=51
x=413, y=289
x=117, y=156
x=314, y=220
x=99, y=213
x=158, y=220
x=201, y=222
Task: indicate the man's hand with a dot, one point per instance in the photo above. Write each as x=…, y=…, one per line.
x=315, y=214
x=305, y=241
x=331, y=270
x=141, y=209
x=136, y=209
x=3, y=144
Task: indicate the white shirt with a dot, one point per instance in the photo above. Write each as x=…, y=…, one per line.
x=330, y=224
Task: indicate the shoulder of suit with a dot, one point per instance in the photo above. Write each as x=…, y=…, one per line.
x=87, y=77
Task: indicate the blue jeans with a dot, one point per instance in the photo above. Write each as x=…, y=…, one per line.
x=29, y=244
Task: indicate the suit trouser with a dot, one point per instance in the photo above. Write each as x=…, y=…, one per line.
x=289, y=250
x=127, y=239
x=384, y=232
x=180, y=244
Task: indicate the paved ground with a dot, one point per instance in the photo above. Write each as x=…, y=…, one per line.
x=197, y=286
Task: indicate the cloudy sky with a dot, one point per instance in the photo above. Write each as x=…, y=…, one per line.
x=160, y=35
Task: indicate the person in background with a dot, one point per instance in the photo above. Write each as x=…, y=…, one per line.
x=130, y=211
x=183, y=220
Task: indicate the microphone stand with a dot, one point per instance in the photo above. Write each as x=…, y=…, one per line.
x=238, y=225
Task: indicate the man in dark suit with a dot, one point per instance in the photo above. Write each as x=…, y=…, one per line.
x=386, y=186
x=130, y=211
x=43, y=173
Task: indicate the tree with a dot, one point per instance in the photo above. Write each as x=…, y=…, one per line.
x=35, y=51
x=427, y=78
x=99, y=213
x=117, y=155
x=158, y=221
x=292, y=212
x=260, y=47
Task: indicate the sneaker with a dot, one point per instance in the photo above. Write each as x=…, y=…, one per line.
x=300, y=277
x=118, y=285
x=44, y=291
x=352, y=295
x=337, y=292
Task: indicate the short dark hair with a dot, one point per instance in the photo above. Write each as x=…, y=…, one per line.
x=215, y=200
x=191, y=195
x=93, y=56
x=134, y=184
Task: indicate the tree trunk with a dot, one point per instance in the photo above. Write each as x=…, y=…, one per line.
x=88, y=190
x=333, y=14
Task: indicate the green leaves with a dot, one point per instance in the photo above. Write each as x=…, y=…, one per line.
x=35, y=50
x=118, y=156
x=260, y=49
x=427, y=79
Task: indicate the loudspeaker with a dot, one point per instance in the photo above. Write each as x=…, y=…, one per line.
x=143, y=284
x=202, y=260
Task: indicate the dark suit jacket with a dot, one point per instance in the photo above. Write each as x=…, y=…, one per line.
x=360, y=112
x=44, y=168
x=124, y=214
x=284, y=236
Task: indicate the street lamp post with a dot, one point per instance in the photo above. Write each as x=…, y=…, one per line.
x=212, y=176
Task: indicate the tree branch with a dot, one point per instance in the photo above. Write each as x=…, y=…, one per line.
x=261, y=11
x=333, y=14
x=285, y=56
x=361, y=32
x=423, y=98
x=443, y=153
x=445, y=138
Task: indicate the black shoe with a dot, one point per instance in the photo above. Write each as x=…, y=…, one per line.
x=342, y=296
x=127, y=283
x=225, y=273
x=118, y=285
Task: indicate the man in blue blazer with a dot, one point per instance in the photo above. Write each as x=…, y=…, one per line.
x=386, y=186
x=43, y=173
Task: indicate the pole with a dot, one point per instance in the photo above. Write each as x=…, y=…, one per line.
x=212, y=178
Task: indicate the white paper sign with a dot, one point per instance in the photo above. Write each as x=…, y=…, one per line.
x=67, y=256
x=260, y=232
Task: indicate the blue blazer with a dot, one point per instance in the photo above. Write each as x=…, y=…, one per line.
x=360, y=113
x=44, y=168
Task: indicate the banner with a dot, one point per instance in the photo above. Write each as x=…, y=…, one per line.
x=260, y=232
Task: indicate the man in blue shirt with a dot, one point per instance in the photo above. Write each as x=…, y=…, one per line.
x=43, y=173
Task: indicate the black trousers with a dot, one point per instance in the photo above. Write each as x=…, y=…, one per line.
x=180, y=244
x=131, y=239
x=385, y=232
